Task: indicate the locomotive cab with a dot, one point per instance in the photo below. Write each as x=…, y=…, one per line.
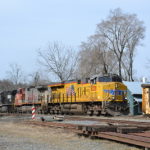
x=111, y=92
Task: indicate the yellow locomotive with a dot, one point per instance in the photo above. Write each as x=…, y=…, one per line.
x=95, y=96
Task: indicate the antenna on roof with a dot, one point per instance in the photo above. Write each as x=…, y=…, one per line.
x=144, y=80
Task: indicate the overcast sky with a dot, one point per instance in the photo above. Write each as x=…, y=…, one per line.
x=27, y=25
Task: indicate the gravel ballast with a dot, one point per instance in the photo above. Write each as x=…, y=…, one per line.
x=15, y=135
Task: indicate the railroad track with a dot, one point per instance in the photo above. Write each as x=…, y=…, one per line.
x=111, y=121
x=129, y=132
x=125, y=131
x=52, y=124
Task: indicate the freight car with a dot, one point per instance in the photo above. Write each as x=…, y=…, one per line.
x=7, y=101
x=95, y=96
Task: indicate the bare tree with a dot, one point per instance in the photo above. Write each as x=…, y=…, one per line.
x=15, y=74
x=95, y=57
x=105, y=57
x=131, y=49
x=87, y=64
x=59, y=60
x=6, y=85
x=120, y=31
x=37, y=78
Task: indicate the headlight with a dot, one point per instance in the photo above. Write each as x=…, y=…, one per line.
x=116, y=85
x=113, y=97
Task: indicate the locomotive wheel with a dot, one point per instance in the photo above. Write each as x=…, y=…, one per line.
x=97, y=113
x=51, y=111
x=90, y=112
x=61, y=113
x=57, y=112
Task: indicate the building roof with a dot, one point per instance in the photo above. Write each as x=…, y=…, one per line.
x=146, y=85
x=138, y=99
x=134, y=87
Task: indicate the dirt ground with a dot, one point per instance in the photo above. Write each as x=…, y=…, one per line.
x=15, y=135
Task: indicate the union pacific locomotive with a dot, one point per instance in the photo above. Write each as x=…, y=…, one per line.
x=94, y=96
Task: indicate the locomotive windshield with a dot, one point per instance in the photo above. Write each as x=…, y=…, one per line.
x=114, y=78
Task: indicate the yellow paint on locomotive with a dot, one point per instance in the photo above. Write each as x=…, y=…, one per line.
x=85, y=92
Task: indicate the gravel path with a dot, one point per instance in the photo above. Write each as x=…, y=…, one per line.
x=15, y=135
